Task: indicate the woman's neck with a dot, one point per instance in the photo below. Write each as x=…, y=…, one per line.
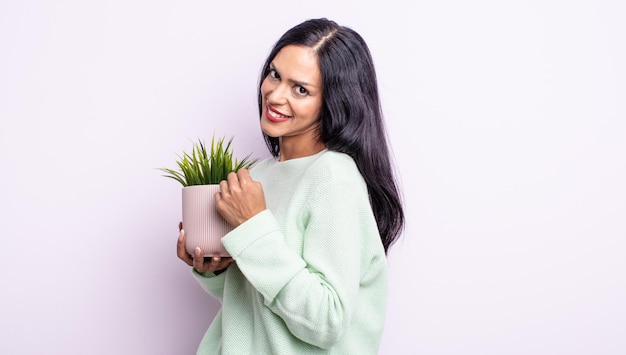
x=292, y=150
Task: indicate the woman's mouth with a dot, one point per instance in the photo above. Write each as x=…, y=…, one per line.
x=274, y=115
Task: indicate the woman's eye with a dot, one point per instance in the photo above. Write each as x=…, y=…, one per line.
x=301, y=91
x=274, y=74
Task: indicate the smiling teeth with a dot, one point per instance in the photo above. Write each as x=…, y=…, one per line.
x=277, y=115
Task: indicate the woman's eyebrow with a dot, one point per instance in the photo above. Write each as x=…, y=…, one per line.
x=298, y=82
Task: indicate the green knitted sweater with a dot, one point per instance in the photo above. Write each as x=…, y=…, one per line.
x=310, y=272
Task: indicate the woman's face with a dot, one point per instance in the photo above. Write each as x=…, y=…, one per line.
x=292, y=98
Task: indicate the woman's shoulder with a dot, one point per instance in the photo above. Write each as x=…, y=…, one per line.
x=333, y=165
x=333, y=156
x=337, y=161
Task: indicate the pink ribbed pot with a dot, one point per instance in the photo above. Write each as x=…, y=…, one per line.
x=204, y=226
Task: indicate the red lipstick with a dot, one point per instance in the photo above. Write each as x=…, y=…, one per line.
x=275, y=115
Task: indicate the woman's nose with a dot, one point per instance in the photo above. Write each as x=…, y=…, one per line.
x=278, y=95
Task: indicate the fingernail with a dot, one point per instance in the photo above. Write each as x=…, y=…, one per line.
x=216, y=258
x=180, y=235
x=197, y=251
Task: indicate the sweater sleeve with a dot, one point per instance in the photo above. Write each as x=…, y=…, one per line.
x=314, y=293
x=211, y=283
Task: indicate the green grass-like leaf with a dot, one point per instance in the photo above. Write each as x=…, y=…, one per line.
x=202, y=167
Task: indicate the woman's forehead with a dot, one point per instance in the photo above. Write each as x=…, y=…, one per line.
x=297, y=64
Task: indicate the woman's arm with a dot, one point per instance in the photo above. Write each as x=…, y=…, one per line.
x=314, y=293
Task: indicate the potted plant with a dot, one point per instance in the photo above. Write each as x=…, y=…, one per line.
x=200, y=173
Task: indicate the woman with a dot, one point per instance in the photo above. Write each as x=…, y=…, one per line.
x=308, y=272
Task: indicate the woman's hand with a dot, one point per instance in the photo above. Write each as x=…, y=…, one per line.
x=240, y=198
x=215, y=264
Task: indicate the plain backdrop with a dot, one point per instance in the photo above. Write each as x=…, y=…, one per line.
x=508, y=126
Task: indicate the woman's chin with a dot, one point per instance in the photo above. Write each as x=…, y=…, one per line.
x=268, y=130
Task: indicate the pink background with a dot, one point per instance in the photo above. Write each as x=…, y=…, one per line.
x=507, y=121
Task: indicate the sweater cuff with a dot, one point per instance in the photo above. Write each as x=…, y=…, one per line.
x=209, y=282
x=248, y=232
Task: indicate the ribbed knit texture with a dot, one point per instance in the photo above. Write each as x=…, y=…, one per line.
x=310, y=273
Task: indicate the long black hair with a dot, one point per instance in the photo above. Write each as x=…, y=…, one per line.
x=351, y=119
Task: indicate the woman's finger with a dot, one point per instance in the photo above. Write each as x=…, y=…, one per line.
x=198, y=261
x=223, y=264
x=214, y=262
x=209, y=264
x=244, y=177
x=232, y=178
x=180, y=249
x=224, y=190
